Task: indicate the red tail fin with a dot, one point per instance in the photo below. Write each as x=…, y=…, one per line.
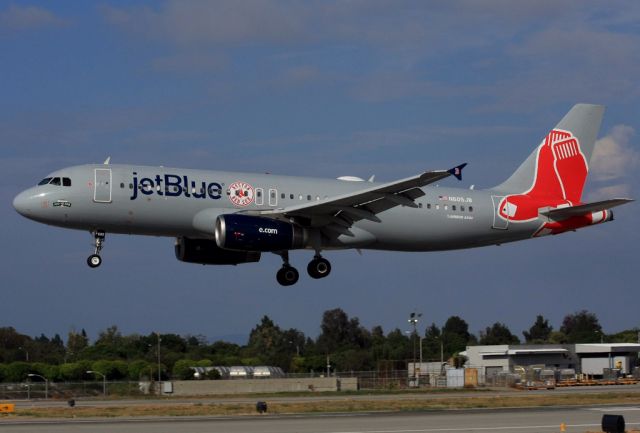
x=560, y=174
x=561, y=170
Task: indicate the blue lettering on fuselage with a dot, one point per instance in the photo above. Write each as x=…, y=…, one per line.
x=175, y=186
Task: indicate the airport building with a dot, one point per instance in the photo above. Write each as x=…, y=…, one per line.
x=588, y=359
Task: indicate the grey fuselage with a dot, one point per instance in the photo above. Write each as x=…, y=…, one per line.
x=172, y=202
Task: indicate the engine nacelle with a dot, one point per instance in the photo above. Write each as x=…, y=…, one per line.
x=252, y=233
x=206, y=252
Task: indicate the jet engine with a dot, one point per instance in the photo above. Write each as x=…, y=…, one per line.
x=206, y=252
x=251, y=233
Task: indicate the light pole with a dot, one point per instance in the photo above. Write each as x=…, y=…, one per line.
x=413, y=320
x=26, y=353
x=159, y=378
x=297, y=347
x=104, y=381
x=46, y=384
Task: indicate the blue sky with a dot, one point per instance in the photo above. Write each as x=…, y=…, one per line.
x=314, y=88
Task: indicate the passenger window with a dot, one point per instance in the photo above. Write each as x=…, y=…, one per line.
x=55, y=181
x=317, y=198
x=291, y=196
x=446, y=207
x=282, y=195
x=45, y=181
x=300, y=196
x=121, y=185
x=308, y=197
x=259, y=193
x=130, y=186
x=437, y=207
x=462, y=208
x=66, y=181
x=420, y=205
x=428, y=205
x=453, y=207
x=470, y=208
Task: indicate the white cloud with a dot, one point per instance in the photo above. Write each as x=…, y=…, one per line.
x=614, y=157
x=16, y=18
x=608, y=192
x=213, y=23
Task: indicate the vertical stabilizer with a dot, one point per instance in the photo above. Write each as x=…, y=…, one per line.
x=558, y=167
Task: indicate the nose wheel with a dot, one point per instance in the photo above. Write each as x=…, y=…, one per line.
x=94, y=260
x=319, y=267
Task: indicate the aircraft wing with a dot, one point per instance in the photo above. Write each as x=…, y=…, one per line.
x=340, y=212
x=583, y=209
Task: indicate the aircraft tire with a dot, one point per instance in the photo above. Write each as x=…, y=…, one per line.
x=287, y=275
x=94, y=261
x=319, y=268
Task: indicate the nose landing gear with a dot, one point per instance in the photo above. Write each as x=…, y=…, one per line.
x=94, y=260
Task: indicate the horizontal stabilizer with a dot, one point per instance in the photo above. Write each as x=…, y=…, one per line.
x=584, y=209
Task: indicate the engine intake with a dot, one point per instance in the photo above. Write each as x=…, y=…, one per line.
x=207, y=252
x=251, y=233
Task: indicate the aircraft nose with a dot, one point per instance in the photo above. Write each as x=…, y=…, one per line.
x=21, y=203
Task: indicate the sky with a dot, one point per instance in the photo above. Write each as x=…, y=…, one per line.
x=327, y=89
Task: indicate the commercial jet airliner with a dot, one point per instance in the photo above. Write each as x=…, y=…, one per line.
x=229, y=218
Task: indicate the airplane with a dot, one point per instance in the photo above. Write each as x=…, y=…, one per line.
x=230, y=218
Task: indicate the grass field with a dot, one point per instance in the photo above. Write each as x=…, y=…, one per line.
x=195, y=408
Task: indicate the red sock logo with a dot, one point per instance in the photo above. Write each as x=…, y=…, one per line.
x=561, y=171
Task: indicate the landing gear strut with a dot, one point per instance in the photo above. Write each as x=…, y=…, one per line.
x=94, y=260
x=287, y=275
x=319, y=267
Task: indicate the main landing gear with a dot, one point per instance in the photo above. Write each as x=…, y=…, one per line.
x=94, y=260
x=317, y=268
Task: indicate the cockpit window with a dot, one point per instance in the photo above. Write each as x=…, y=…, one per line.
x=55, y=181
x=45, y=181
x=66, y=181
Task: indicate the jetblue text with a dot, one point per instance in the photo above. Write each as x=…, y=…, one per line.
x=172, y=185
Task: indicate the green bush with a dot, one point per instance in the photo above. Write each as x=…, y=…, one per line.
x=17, y=371
x=114, y=370
x=140, y=369
x=182, y=369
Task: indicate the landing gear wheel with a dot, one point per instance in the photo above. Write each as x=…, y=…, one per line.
x=94, y=261
x=287, y=275
x=319, y=268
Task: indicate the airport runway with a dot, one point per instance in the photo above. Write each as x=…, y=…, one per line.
x=479, y=421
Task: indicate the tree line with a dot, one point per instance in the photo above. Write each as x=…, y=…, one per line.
x=343, y=344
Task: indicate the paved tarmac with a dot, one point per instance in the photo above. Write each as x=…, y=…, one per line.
x=473, y=421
